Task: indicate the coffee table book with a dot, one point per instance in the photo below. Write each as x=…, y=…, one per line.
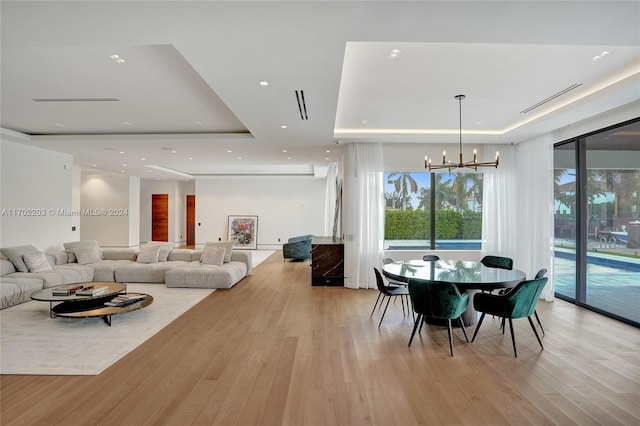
x=91, y=290
x=65, y=290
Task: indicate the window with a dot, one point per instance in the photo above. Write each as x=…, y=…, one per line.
x=447, y=218
x=597, y=221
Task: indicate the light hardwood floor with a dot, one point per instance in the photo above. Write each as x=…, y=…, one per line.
x=276, y=351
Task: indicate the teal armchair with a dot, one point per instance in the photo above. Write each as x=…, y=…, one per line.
x=437, y=299
x=297, y=248
x=519, y=302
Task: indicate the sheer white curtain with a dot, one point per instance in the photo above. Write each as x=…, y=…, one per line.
x=534, y=245
x=330, y=198
x=499, y=219
x=363, y=202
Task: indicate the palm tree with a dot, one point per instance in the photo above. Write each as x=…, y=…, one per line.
x=404, y=184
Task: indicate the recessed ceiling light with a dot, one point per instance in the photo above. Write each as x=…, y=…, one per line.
x=328, y=151
x=127, y=123
x=229, y=150
x=395, y=54
x=326, y=158
x=121, y=171
x=288, y=158
x=239, y=158
x=94, y=165
x=59, y=125
x=121, y=152
x=149, y=171
x=264, y=83
x=117, y=59
x=283, y=127
x=198, y=123
x=143, y=159
x=365, y=121
x=124, y=165
x=174, y=152
x=190, y=158
x=284, y=150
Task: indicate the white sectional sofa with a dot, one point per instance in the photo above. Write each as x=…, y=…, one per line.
x=173, y=267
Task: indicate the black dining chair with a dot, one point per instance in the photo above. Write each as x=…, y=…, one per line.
x=437, y=299
x=519, y=302
x=430, y=257
x=388, y=291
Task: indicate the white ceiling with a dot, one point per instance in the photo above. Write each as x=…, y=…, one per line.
x=190, y=81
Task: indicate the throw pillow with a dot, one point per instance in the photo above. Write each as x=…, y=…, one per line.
x=14, y=254
x=87, y=255
x=213, y=256
x=37, y=262
x=165, y=249
x=148, y=254
x=227, y=245
x=71, y=248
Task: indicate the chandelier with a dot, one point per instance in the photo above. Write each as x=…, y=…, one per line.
x=461, y=164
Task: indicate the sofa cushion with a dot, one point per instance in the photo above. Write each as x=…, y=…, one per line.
x=227, y=245
x=213, y=256
x=14, y=254
x=184, y=255
x=165, y=249
x=136, y=272
x=148, y=254
x=37, y=262
x=115, y=253
x=60, y=257
x=105, y=270
x=87, y=255
x=69, y=273
x=6, y=267
x=198, y=275
x=14, y=291
x=72, y=246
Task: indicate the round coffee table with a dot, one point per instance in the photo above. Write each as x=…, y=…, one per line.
x=77, y=306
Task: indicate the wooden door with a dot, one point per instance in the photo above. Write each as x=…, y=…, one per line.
x=160, y=217
x=191, y=220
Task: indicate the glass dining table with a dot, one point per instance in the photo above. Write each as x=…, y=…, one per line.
x=468, y=276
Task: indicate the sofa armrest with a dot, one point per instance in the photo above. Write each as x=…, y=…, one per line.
x=243, y=256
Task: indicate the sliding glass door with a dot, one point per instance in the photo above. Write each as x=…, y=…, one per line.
x=597, y=221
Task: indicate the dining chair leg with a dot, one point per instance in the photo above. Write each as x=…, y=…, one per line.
x=478, y=326
x=402, y=301
x=513, y=337
x=502, y=325
x=376, y=304
x=464, y=330
x=385, y=311
x=415, y=326
x=535, y=332
x=539, y=323
x=421, y=324
x=450, y=338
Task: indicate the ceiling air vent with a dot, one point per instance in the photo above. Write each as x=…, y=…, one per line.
x=302, y=106
x=76, y=100
x=550, y=98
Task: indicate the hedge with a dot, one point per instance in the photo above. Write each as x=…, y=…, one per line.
x=415, y=225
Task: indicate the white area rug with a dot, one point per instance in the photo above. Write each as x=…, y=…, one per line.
x=33, y=343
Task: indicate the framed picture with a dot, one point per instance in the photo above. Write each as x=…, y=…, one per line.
x=243, y=231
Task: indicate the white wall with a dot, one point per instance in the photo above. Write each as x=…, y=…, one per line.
x=177, y=192
x=285, y=207
x=115, y=200
x=41, y=180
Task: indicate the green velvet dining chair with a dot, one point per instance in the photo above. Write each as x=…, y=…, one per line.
x=519, y=302
x=437, y=299
x=497, y=262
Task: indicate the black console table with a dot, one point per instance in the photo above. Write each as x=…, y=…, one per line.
x=327, y=262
